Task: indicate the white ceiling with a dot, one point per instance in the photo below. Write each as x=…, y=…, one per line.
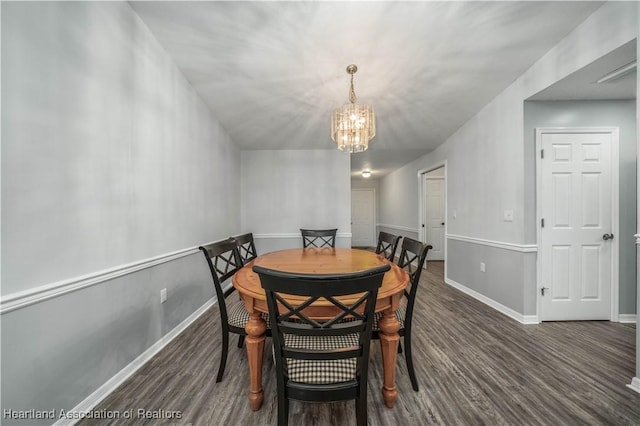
x=272, y=72
x=583, y=85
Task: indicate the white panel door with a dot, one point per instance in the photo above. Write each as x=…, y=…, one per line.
x=434, y=216
x=363, y=227
x=576, y=207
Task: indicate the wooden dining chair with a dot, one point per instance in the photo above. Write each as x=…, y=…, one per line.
x=387, y=245
x=321, y=360
x=318, y=237
x=246, y=247
x=412, y=258
x=224, y=261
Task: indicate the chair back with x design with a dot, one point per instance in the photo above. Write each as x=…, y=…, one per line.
x=224, y=261
x=387, y=245
x=318, y=237
x=246, y=247
x=412, y=258
x=321, y=359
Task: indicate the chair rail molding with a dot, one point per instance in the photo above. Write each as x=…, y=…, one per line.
x=29, y=297
x=398, y=227
x=284, y=235
x=522, y=248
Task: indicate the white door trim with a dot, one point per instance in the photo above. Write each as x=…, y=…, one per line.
x=422, y=234
x=615, y=207
x=375, y=219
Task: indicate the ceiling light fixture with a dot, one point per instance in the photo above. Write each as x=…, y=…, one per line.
x=618, y=73
x=366, y=173
x=353, y=125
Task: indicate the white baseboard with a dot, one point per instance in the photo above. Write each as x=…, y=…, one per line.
x=627, y=318
x=103, y=391
x=523, y=319
x=635, y=384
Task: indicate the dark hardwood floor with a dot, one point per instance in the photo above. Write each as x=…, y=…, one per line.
x=475, y=366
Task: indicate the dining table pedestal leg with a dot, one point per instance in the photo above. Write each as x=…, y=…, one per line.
x=389, y=339
x=255, y=328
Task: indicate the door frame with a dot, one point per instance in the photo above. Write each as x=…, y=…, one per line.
x=615, y=209
x=374, y=221
x=422, y=234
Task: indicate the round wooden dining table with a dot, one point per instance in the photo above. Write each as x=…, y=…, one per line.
x=324, y=260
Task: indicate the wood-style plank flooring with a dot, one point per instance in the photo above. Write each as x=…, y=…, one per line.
x=475, y=366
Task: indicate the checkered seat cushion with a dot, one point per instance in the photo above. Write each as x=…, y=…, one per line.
x=321, y=371
x=238, y=315
x=400, y=316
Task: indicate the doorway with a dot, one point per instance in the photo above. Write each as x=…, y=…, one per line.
x=363, y=220
x=433, y=211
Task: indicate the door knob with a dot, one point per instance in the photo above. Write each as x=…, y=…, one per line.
x=607, y=237
x=442, y=224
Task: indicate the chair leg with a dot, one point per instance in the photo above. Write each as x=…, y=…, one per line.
x=409, y=358
x=399, y=347
x=283, y=410
x=361, y=409
x=240, y=340
x=223, y=355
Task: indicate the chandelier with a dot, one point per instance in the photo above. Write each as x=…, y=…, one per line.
x=353, y=125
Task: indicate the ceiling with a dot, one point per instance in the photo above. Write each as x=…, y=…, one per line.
x=583, y=85
x=272, y=72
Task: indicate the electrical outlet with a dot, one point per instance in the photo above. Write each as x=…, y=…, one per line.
x=481, y=266
x=508, y=215
x=163, y=295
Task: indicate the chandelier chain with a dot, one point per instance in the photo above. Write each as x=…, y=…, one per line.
x=352, y=92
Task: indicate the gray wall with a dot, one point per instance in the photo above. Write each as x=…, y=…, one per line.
x=398, y=205
x=285, y=190
x=399, y=198
x=58, y=352
x=109, y=158
x=103, y=133
x=504, y=268
x=486, y=169
x=621, y=114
